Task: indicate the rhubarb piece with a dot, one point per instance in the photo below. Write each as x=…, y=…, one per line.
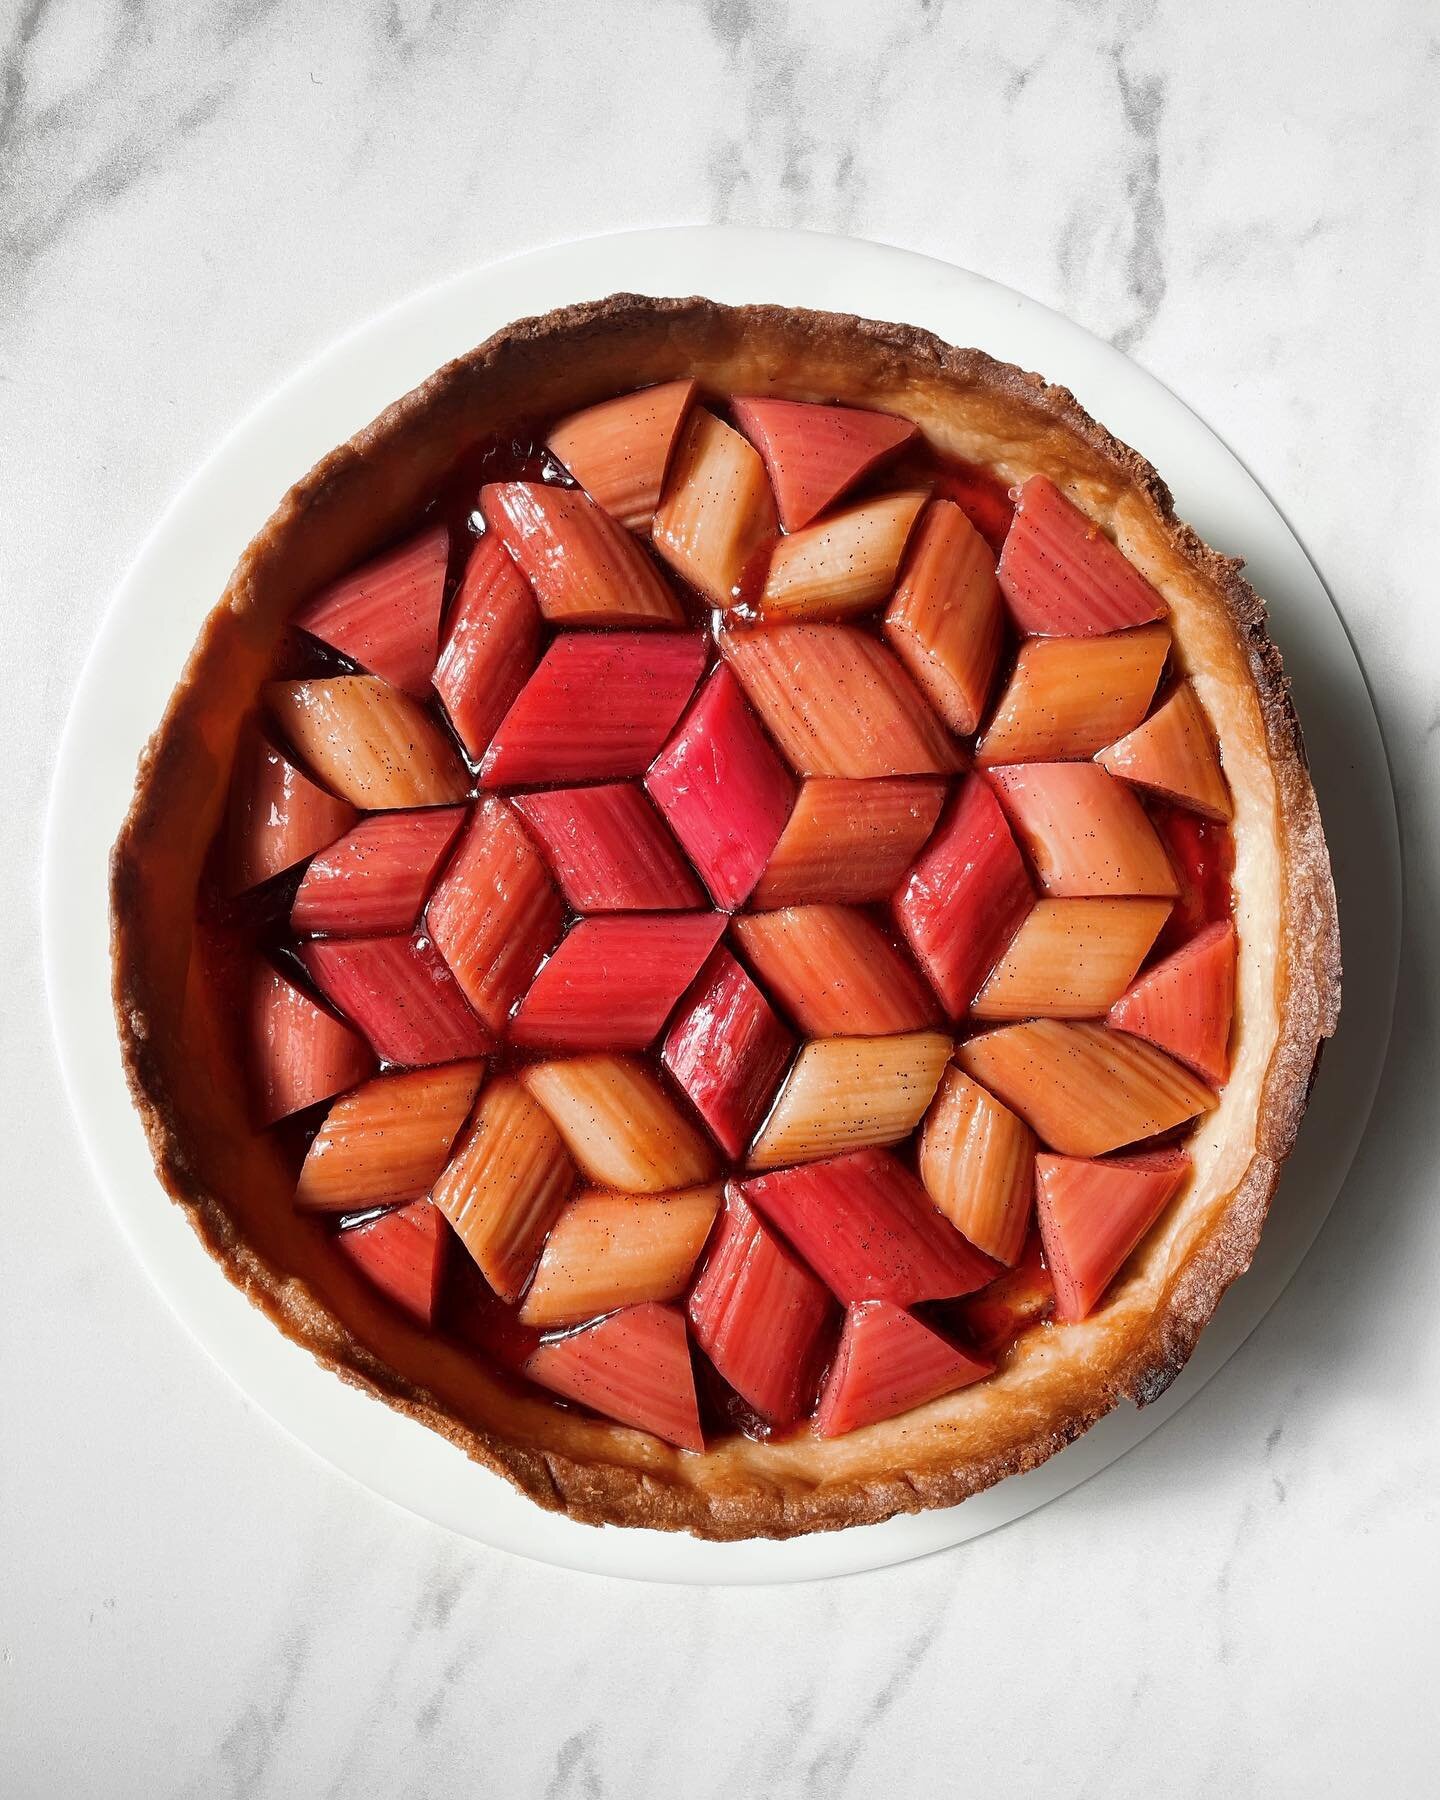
x=888, y=1363
x=402, y=1253
x=1093, y=1214
x=760, y=1315
x=300, y=1053
x=986, y=501
x=724, y=791
x=609, y=851
x=845, y=1093
x=1083, y=1089
x=837, y=702
x=610, y=1250
x=1071, y=959
x=1185, y=1004
x=1062, y=576
x=492, y=644
x=1085, y=832
x=386, y=616
x=612, y=982
x=633, y=1366
x=401, y=994
x=966, y=896
x=1202, y=854
x=584, y=567
x=620, y=1125
x=867, y=1228
x=727, y=1051
x=977, y=1160
x=1023, y=1296
x=620, y=450
x=1173, y=753
x=845, y=565
x=849, y=841
x=369, y=741
x=816, y=453
x=945, y=622
x=505, y=1184
x=599, y=706
x=388, y=1140
x=716, y=512
x=836, y=972
x=1069, y=697
x=375, y=879
x=495, y=913
x=278, y=816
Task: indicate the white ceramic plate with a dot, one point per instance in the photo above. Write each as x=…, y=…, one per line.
x=157, y=613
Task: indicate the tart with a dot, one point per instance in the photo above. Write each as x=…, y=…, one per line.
x=729, y=913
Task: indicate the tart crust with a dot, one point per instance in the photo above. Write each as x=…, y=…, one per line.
x=182, y=1052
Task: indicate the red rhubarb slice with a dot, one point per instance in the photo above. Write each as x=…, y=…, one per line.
x=723, y=789
x=844, y=565
x=1093, y=1214
x=836, y=972
x=375, y=879
x=1202, y=854
x=633, y=1366
x=599, y=706
x=815, y=453
x=1062, y=576
x=1185, y=1004
x=609, y=851
x=1069, y=697
x=402, y=1253
x=401, y=994
x=584, y=567
x=492, y=644
x=727, y=1051
x=386, y=616
x=1085, y=832
x=888, y=1363
x=300, y=1052
x=945, y=621
x=619, y=450
x=388, y=1140
x=610, y=1250
x=1173, y=753
x=849, y=841
x=716, y=514
x=278, y=816
x=370, y=742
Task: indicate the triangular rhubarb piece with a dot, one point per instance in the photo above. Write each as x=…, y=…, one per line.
x=400, y=993
x=1173, y=753
x=716, y=515
x=846, y=564
x=619, y=450
x=727, y=1051
x=888, y=1363
x=609, y=850
x=584, y=567
x=1062, y=576
x=1093, y=1214
x=1068, y=697
x=633, y=1366
x=844, y=1093
x=849, y=841
x=611, y=1250
x=1071, y=959
x=278, y=816
x=370, y=742
x=620, y=1124
x=388, y=1140
x=1185, y=1004
x=403, y=1254
x=492, y=643
x=386, y=616
x=836, y=972
x=977, y=1160
x=300, y=1052
x=374, y=879
x=1085, y=832
x=945, y=621
x=815, y=453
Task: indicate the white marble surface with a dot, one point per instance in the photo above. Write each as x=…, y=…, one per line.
x=192, y=201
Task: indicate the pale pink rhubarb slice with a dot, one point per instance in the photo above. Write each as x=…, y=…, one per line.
x=584, y=567
x=369, y=741
x=401, y=994
x=402, y=1253
x=277, y=815
x=1173, y=753
x=849, y=841
x=620, y=450
x=611, y=1250
x=845, y=1093
x=620, y=1125
x=727, y=1051
x=835, y=972
x=945, y=620
x=977, y=1160
x=1062, y=576
x=633, y=1367
x=716, y=513
x=1093, y=1214
x=386, y=615
x=300, y=1053
x=888, y=1363
x=492, y=643
x=816, y=453
x=375, y=878
x=1185, y=1003
x=609, y=851
x=1071, y=959
x=1069, y=697
x=844, y=565
x=387, y=1140
x=1084, y=831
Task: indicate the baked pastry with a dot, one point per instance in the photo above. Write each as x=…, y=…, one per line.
x=729, y=912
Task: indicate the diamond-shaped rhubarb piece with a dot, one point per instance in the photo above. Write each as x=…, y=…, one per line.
x=620, y=1125
x=1083, y=1089
x=1062, y=576
x=492, y=643
x=369, y=741
x=505, y=1184
x=599, y=706
x=1093, y=1214
x=716, y=514
x=1085, y=832
x=620, y=450
x=402, y=1253
x=723, y=789
x=945, y=621
x=888, y=1363
x=868, y=1229
x=844, y=565
x=1185, y=1004
x=277, y=816
x=760, y=1315
x=610, y=1250
x=849, y=841
x=386, y=616
x=388, y=1140
x=1173, y=753
x=375, y=879
x=816, y=453
x=837, y=701
x=1023, y=1296
x=845, y=1093
x=836, y=972
x=584, y=567
x=300, y=1053
x=966, y=896
x=977, y=1160
x=400, y=993
x=1069, y=697
x=495, y=913
x=633, y=1367
x=614, y=980
x=727, y=1051
x=1071, y=959
x=609, y=851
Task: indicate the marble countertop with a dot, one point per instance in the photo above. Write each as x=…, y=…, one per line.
x=193, y=200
